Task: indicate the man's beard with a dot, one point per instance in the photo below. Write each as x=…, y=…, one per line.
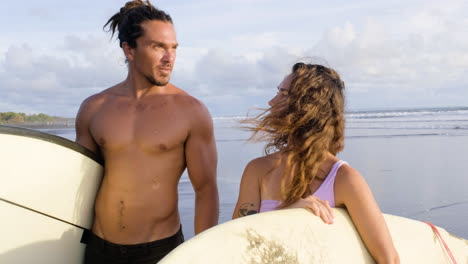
x=155, y=82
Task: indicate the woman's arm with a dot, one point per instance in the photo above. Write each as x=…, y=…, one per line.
x=249, y=199
x=352, y=192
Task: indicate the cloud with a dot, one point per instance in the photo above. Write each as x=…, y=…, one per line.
x=415, y=56
x=57, y=82
x=416, y=67
x=220, y=72
x=232, y=83
x=405, y=55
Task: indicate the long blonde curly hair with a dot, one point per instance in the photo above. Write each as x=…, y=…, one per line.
x=310, y=127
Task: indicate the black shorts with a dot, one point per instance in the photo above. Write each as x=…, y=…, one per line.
x=100, y=251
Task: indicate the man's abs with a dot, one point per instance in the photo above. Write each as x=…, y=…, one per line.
x=137, y=203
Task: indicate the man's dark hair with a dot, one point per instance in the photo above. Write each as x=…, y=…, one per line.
x=128, y=21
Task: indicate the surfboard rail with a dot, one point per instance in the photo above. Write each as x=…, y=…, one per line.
x=297, y=236
x=25, y=132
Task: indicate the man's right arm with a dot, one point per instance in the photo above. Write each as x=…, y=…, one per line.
x=82, y=125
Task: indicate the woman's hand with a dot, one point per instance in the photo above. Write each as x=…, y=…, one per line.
x=317, y=206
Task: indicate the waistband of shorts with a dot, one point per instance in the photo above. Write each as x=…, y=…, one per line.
x=171, y=242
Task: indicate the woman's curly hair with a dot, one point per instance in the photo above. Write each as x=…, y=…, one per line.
x=311, y=125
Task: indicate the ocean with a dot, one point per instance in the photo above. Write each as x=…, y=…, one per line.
x=414, y=160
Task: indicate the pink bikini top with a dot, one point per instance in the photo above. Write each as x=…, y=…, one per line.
x=324, y=192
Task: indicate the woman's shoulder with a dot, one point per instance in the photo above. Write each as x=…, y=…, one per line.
x=346, y=171
x=262, y=165
x=254, y=170
x=348, y=183
x=263, y=162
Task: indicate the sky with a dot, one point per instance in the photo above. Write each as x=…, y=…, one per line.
x=234, y=53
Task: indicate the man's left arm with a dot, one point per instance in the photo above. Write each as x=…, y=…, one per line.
x=201, y=158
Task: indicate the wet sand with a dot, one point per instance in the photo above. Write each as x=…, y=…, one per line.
x=419, y=177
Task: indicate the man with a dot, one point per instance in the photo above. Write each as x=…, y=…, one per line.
x=148, y=131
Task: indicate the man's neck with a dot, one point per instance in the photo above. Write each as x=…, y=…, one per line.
x=139, y=87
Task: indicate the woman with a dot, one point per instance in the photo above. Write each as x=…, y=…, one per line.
x=305, y=126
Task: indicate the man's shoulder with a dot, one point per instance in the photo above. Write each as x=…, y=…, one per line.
x=195, y=112
x=184, y=98
x=191, y=105
x=94, y=99
x=98, y=98
x=92, y=103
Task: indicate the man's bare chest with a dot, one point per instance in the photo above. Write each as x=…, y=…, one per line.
x=154, y=127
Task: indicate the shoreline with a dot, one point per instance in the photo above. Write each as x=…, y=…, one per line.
x=48, y=125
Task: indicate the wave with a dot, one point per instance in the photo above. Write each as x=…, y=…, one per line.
x=393, y=135
x=404, y=135
x=443, y=206
x=422, y=112
x=381, y=114
x=408, y=126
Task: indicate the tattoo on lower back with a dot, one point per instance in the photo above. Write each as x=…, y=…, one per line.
x=247, y=209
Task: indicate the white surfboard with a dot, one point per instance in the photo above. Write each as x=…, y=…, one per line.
x=297, y=236
x=48, y=185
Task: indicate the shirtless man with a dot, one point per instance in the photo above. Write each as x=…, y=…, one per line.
x=148, y=131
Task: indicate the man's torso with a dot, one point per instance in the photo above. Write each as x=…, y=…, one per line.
x=143, y=147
